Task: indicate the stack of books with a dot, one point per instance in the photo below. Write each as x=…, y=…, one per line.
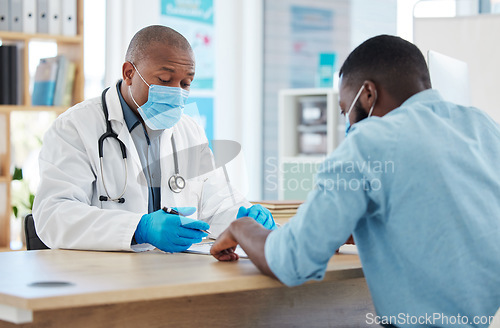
x=54, y=82
x=282, y=210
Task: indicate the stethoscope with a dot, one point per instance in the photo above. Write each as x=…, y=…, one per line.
x=176, y=182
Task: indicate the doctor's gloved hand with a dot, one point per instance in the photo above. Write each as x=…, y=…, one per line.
x=260, y=214
x=169, y=232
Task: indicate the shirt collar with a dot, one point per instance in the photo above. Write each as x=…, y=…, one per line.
x=423, y=96
x=130, y=117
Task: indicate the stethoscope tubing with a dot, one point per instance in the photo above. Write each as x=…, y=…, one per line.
x=173, y=183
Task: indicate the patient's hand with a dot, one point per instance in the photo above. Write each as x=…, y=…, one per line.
x=223, y=248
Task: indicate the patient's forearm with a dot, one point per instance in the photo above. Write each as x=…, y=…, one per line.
x=252, y=238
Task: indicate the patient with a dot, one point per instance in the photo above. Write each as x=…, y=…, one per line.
x=426, y=222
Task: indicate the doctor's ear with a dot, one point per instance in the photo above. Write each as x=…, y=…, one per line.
x=127, y=72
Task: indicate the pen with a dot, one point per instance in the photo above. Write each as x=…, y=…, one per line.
x=170, y=210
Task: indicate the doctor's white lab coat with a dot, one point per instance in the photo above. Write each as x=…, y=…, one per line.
x=67, y=210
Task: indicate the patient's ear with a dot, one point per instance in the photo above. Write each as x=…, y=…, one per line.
x=369, y=95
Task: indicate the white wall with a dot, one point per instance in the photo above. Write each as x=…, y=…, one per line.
x=371, y=18
x=123, y=19
x=238, y=87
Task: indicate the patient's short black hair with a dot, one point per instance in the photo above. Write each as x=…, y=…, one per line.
x=389, y=61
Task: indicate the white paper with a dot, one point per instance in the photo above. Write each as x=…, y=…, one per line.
x=348, y=249
x=204, y=248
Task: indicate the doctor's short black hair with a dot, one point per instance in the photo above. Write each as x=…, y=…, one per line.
x=395, y=64
x=148, y=36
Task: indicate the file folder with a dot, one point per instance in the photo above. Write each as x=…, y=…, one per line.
x=54, y=15
x=13, y=75
x=69, y=17
x=4, y=15
x=42, y=21
x=4, y=75
x=16, y=12
x=29, y=16
x=19, y=74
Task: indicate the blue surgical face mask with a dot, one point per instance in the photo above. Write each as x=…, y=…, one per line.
x=347, y=121
x=164, y=107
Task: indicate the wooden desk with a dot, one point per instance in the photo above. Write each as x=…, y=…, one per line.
x=154, y=289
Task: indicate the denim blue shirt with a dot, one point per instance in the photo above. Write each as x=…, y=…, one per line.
x=147, y=143
x=420, y=190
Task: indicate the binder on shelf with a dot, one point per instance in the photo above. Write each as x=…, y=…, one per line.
x=4, y=75
x=9, y=75
x=68, y=13
x=19, y=74
x=13, y=75
x=29, y=16
x=16, y=15
x=42, y=21
x=4, y=15
x=45, y=82
x=54, y=16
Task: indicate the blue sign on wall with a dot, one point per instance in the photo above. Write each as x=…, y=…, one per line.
x=196, y=10
x=194, y=19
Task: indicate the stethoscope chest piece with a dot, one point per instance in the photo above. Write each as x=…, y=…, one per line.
x=176, y=183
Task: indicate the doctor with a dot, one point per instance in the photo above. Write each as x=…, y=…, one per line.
x=109, y=165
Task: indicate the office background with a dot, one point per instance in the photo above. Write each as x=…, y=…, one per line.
x=247, y=52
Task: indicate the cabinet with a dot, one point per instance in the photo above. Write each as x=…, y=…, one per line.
x=72, y=48
x=310, y=127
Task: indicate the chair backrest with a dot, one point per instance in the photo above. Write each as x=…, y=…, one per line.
x=32, y=240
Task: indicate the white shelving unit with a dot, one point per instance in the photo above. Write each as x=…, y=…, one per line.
x=297, y=170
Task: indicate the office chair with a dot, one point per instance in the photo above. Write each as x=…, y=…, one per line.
x=32, y=240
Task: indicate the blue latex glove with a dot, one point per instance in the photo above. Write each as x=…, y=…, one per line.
x=170, y=232
x=260, y=214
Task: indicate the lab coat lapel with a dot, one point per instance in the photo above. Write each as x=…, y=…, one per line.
x=120, y=127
